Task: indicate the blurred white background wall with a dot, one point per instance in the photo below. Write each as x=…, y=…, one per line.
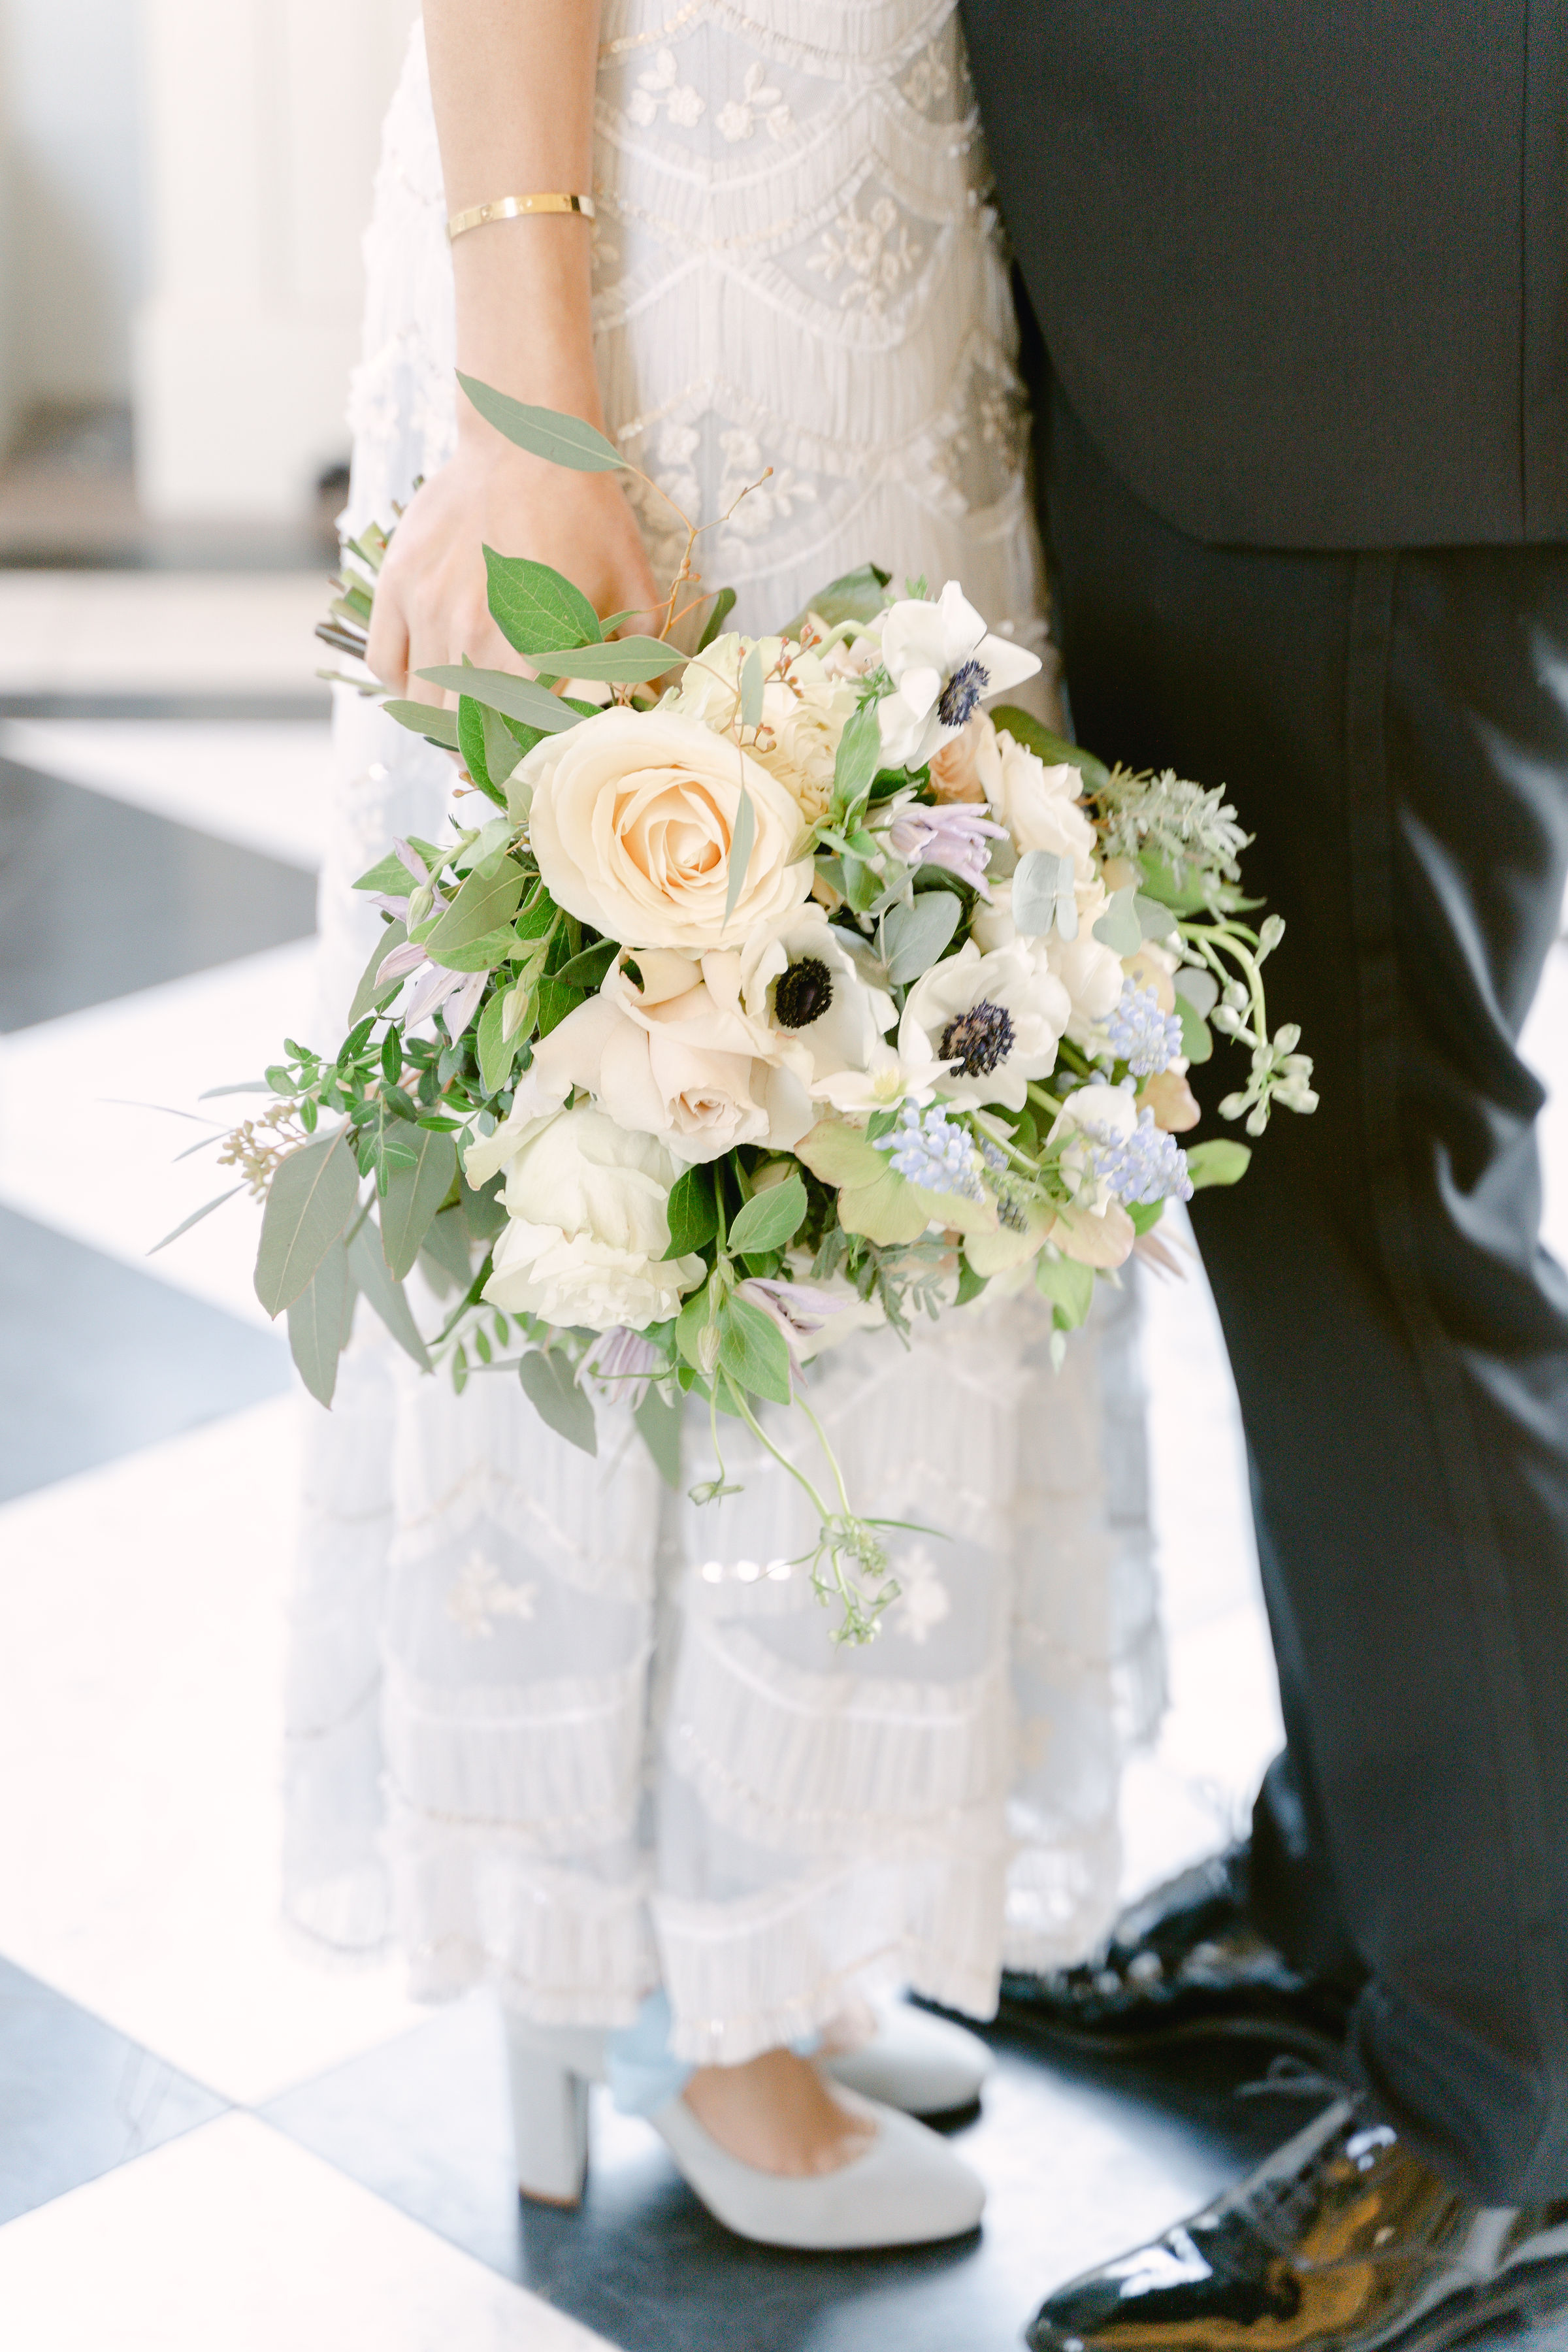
x=184, y=186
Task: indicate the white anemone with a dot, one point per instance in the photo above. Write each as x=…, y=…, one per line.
x=944, y=664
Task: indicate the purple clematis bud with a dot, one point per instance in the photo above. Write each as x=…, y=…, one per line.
x=954, y=836
x=621, y=1361
x=799, y=1310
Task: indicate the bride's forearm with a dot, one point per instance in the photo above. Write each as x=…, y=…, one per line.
x=512, y=82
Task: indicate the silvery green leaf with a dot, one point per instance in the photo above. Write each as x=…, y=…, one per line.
x=769, y=1219
x=367, y=1264
x=318, y=1322
x=426, y=718
x=1200, y=988
x=548, y=1384
x=1119, y=928
x=414, y=1193
x=1035, y=889
x=196, y=1214
x=563, y=440
x=487, y=902
x=502, y=690
x=625, y=661
x=659, y=1422
x=1155, y=921
x=448, y=1242
x=915, y=935
x=752, y=689
x=367, y=996
x=1220, y=1160
x=309, y=1201
x=740, y=842
x=502, y=749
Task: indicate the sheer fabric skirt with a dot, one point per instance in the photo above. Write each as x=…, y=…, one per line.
x=552, y=1726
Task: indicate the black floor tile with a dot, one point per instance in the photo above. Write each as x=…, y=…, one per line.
x=98, y=1359
x=1079, y=2163
x=97, y=898
x=75, y=2097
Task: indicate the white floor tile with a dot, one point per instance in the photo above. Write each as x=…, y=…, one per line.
x=81, y=1150
x=267, y=786
x=234, y=2240
x=160, y=631
x=141, y=1681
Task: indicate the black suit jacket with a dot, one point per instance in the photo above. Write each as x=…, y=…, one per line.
x=1301, y=265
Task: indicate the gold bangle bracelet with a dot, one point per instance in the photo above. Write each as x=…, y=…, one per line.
x=513, y=207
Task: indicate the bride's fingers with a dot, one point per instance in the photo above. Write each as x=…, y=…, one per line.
x=386, y=642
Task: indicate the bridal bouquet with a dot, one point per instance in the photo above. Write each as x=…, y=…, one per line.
x=768, y=993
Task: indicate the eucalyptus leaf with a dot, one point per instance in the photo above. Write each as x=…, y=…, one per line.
x=625, y=661
x=741, y=841
x=448, y=1242
x=545, y=431
x=318, y=1324
x=723, y=606
x=487, y=902
x=1219, y=1161
x=770, y=1219
x=502, y=748
x=427, y=719
x=548, y=1384
x=660, y=1424
x=1199, y=987
x=497, y=1053
x=536, y=608
x=196, y=1214
x=1197, y=1037
x=503, y=690
x=1045, y=893
x=386, y=1293
x=1119, y=928
x=309, y=1201
x=753, y=1350
x=414, y=1193
x=917, y=933
x=484, y=1212
x=1155, y=922
x=752, y=689
x=692, y=1212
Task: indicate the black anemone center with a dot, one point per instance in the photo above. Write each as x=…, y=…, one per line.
x=804, y=993
x=961, y=695
x=978, y=1040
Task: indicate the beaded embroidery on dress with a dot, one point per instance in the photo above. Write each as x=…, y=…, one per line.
x=588, y=1736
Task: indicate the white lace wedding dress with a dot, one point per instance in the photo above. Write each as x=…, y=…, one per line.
x=549, y=1726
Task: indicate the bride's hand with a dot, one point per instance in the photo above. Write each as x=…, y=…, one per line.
x=431, y=600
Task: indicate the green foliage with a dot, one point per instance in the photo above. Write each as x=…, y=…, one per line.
x=858, y=758
x=368, y=1265
x=626, y=661
x=1119, y=928
x=770, y=1219
x=741, y=841
x=318, y=1324
x=536, y=608
x=447, y=1244
x=367, y=997
x=389, y=878
x=1068, y=1285
x=1221, y=1160
x=753, y=1351
x=723, y=606
x=414, y=1191
x=586, y=970
x=194, y=1218
x=486, y=901
x=693, y=1213
x=544, y=432
x=497, y=1053
x=1045, y=891
x=436, y=724
x=853, y=596
x=474, y=746
x=916, y=934
x=309, y=1201
x=1197, y=1037
x=1053, y=749
x=550, y=1390
x=502, y=689
x=658, y=1418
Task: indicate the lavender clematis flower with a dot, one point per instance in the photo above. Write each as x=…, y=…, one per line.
x=799, y=1310
x=954, y=835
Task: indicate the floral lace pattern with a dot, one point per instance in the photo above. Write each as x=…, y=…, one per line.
x=804, y=337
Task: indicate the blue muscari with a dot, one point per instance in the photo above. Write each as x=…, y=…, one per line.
x=1143, y=1036
x=1146, y=1166
x=933, y=1152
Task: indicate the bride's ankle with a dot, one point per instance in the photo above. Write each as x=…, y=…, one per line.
x=777, y=2114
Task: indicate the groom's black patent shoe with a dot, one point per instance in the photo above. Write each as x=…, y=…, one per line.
x=1344, y=2242
x=1184, y=1960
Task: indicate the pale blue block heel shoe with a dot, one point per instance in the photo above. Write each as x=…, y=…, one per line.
x=552, y=2070
x=913, y=2061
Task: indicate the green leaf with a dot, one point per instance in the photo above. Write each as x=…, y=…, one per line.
x=414, y=1192
x=368, y=998
x=691, y=1326
x=503, y=748
x=391, y=878
x=447, y=1243
x=545, y=431
x=426, y=718
x=1218, y=1162
x=659, y=1422
x=587, y=971
x=1045, y=891
x=741, y=841
x=1200, y=989
x=196, y=1214
x=309, y=1201
x=770, y=1219
x=483, y=954
x=367, y=1264
x=1027, y=730
x=536, y=608
x=1068, y=1285
x=555, y=1001
x=1119, y=928
x=752, y=689
x=859, y=757
x=723, y=606
x=548, y=1384
x=916, y=934
x=484, y=1209
x=317, y=1321
x=853, y=596
x=472, y=744
x=970, y=1284
x=1197, y=1037
x=874, y=1200
x=487, y=902
x=1154, y=921
x=627, y=661
x=692, y=1212
x=1146, y=1215
x=502, y=690
x=497, y=1053
x=751, y=1349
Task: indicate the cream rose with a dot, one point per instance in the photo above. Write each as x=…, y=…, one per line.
x=631, y=816
x=1037, y=804
x=587, y=1227
x=803, y=714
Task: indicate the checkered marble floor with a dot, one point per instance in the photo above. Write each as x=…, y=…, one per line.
x=204, y=2139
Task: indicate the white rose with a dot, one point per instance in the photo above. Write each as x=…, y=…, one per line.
x=802, y=986
x=631, y=819
x=588, y=1224
x=1000, y=1017
x=1037, y=804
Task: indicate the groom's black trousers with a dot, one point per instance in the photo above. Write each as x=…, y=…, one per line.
x=1393, y=725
